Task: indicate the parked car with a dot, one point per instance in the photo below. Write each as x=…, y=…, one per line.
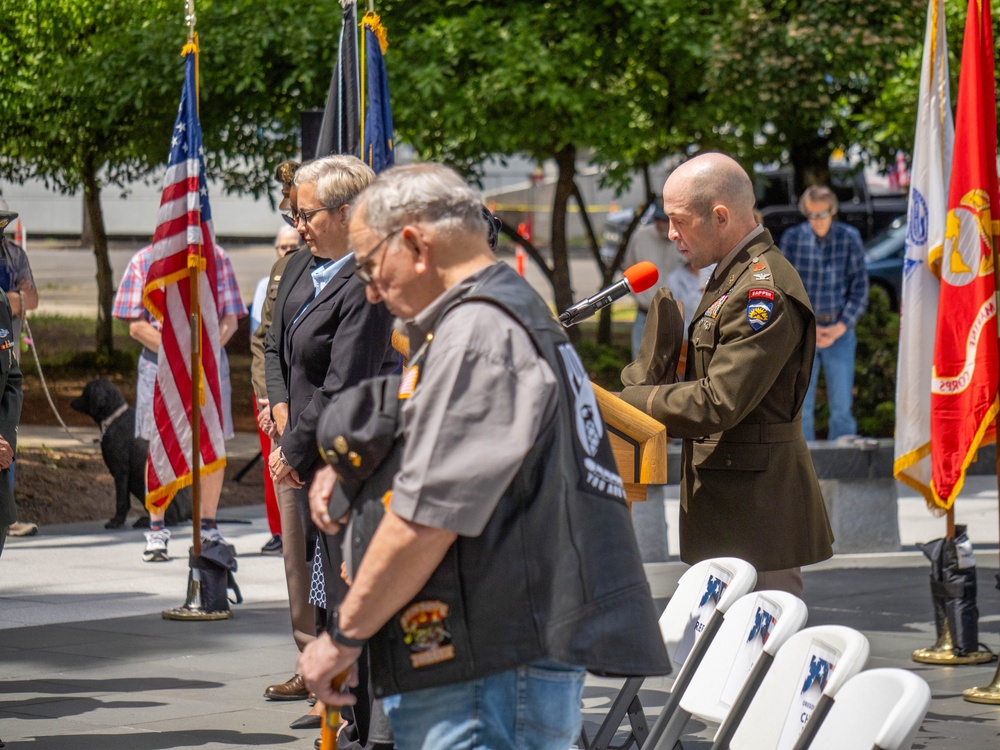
x=884, y=261
x=859, y=207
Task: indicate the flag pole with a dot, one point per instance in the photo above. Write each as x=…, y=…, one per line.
x=194, y=267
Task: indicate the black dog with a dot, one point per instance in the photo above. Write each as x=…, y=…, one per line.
x=124, y=454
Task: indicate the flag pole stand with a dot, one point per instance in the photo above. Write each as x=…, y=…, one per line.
x=943, y=651
x=193, y=607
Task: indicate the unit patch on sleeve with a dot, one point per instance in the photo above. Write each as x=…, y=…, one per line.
x=767, y=294
x=759, y=313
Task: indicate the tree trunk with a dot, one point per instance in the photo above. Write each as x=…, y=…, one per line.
x=105, y=282
x=811, y=162
x=604, y=326
x=561, y=284
x=604, y=316
x=86, y=233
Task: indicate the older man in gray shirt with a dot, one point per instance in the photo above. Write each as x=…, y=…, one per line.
x=506, y=484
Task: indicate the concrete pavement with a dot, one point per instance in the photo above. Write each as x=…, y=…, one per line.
x=86, y=661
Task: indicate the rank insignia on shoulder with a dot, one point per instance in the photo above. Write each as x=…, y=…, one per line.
x=761, y=294
x=713, y=309
x=759, y=313
x=759, y=266
x=762, y=276
x=409, y=381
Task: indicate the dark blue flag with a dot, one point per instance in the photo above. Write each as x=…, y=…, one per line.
x=376, y=133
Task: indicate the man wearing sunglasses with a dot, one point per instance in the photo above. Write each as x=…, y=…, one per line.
x=830, y=259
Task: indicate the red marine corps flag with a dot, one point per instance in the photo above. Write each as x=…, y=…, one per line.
x=184, y=240
x=966, y=363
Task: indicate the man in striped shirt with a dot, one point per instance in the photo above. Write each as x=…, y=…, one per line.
x=830, y=258
x=145, y=329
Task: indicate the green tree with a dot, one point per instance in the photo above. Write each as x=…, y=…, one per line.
x=795, y=80
x=607, y=82
x=89, y=94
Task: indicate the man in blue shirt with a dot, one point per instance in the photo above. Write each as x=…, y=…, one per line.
x=830, y=259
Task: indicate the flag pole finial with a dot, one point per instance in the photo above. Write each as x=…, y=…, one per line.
x=190, y=18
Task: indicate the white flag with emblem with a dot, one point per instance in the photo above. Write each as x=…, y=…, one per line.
x=928, y=210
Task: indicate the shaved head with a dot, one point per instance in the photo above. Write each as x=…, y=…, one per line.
x=713, y=179
x=709, y=200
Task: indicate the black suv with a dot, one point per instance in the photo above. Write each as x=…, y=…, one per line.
x=868, y=213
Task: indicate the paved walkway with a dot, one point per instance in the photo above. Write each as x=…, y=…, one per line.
x=87, y=663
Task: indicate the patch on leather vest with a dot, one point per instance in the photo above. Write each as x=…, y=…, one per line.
x=596, y=466
x=425, y=631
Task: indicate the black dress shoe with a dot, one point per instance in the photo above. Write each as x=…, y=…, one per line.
x=307, y=721
x=291, y=690
x=273, y=546
x=317, y=743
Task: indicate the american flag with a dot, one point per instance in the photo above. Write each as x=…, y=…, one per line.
x=183, y=238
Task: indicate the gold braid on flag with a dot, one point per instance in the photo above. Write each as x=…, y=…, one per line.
x=373, y=22
x=362, y=68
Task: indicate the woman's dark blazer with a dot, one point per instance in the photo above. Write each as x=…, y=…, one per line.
x=339, y=340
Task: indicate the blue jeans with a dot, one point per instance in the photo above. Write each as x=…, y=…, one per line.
x=837, y=362
x=536, y=707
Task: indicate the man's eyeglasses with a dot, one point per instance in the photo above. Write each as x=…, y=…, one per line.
x=292, y=218
x=362, y=266
x=821, y=215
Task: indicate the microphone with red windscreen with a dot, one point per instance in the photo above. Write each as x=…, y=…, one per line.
x=638, y=278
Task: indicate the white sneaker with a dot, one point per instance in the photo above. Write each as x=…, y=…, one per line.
x=212, y=535
x=156, y=546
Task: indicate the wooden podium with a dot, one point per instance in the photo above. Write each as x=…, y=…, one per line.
x=638, y=441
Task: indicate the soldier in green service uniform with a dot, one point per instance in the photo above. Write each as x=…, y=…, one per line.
x=748, y=486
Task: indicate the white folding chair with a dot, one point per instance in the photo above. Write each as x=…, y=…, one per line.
x=797, y=690
x=752, y=631
x=880, y=708
x=688, y=624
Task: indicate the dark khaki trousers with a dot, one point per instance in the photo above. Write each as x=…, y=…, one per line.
x=296, y=571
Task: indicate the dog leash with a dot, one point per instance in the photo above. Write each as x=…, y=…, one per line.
x=45, y=387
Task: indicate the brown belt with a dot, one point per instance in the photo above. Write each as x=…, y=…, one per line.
x=779, y=432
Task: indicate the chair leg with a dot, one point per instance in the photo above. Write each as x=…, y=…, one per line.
x=640, y=728
x=621, y=707
x=667, y=730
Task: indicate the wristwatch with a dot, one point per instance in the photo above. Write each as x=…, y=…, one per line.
x=344, y=640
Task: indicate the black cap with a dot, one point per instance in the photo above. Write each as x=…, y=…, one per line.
x=356, y=433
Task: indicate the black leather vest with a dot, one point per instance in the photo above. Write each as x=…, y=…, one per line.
x=556, y=573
